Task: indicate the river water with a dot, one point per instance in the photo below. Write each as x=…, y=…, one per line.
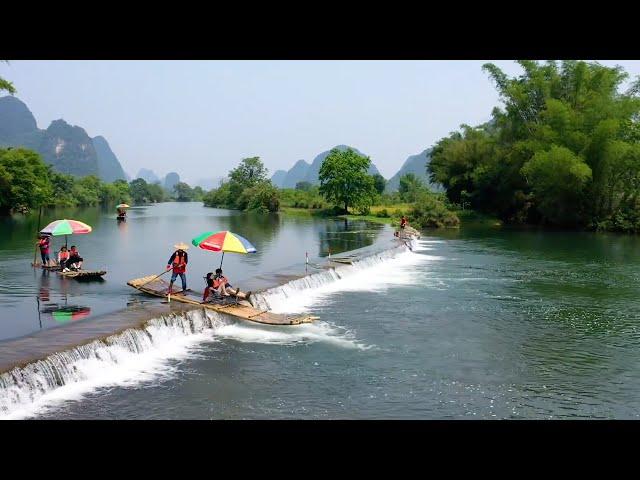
x=473, y=323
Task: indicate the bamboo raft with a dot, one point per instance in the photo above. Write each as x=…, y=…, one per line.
x=84, y=274
x=55, y=268
x=79, y=274
x=241, y=309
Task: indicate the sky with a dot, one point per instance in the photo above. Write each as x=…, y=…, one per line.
x=200, y=118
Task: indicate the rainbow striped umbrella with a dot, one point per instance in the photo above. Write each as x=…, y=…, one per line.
x=223, y=241
x=66, y=227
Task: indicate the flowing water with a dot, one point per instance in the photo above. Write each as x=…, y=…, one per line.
x=475, y=323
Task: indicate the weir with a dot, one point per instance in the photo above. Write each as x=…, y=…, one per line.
x=32, y=367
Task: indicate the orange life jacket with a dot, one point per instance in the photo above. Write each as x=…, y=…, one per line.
x=220, y=281
x=63, y=255
x=179, y=264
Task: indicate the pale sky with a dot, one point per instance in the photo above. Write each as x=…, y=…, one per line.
x=200, y=118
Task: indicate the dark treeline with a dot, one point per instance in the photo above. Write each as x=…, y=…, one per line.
x=564, y=150
x=26, y=182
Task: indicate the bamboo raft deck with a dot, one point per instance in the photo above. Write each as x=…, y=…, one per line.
x=242, y=309
x=79, y=274
x=84, y=274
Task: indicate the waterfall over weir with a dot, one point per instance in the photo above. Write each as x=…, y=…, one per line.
x=124, y=358
x=363, y=274
x=142, y=354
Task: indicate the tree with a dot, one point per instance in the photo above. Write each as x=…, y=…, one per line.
x=410, y=187
x=562, y=150
x=6, y=85
x=262, y=197
x=24, y=180
x=344, y=179
x=304, y=186
x=379, y=183
x=139, y=190
x=198, y=194
x=183, y=192
x=250, y=172
x=155, y=192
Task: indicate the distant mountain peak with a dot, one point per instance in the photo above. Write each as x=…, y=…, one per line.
x=67, y=148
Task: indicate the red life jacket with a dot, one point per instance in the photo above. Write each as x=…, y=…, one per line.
x=179, y=264
x=44, y=245
x=220, y=281
x=63, y=255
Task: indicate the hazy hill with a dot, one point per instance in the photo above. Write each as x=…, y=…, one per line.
x=416, y=164
x=66, y=147
x=278, y=178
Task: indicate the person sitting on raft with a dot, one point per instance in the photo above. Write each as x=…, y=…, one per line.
x=75, y=260
x=63, y=258
x=122, y=213
x=178, y=261
x=44, y=243
x=220, y=284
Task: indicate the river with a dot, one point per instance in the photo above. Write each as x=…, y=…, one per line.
x=473, y=323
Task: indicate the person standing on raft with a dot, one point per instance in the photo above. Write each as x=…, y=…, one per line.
x=178, y=261
x=44, y=243
x=403, y=222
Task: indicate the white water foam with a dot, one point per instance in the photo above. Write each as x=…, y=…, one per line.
x=126, y=359
x=374, y=273
x=302, y=334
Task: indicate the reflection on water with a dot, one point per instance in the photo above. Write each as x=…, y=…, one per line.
x=54, y=312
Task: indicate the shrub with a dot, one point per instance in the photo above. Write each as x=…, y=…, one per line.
x=429, y=212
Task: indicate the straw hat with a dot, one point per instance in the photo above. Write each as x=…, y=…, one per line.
x=181, y=246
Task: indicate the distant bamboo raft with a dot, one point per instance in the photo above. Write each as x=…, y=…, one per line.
x=242, y=309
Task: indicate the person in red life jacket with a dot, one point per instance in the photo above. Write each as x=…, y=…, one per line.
x=403, y=222
x=75, y=260
x=44, y=243
x=220, y=284
x=178, y=261
x=63, y=257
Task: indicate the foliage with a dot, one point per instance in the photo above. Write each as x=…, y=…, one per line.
x=302, y=199
x=344, y=180
x=430, y=212
x=24, y=179
x=304, y=186
x=379, y=183
x=183, y=192
x=262, y=197
x=411, y=187
x=7, y=86
x=247, y=189
x=563, y=150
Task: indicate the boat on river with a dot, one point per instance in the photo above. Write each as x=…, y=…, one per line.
x=84, y=274
x=241, y=309
x=78, y=274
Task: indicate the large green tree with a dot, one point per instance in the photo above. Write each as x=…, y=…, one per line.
x=24, y=180
x=344, y=179
x=563, y=149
